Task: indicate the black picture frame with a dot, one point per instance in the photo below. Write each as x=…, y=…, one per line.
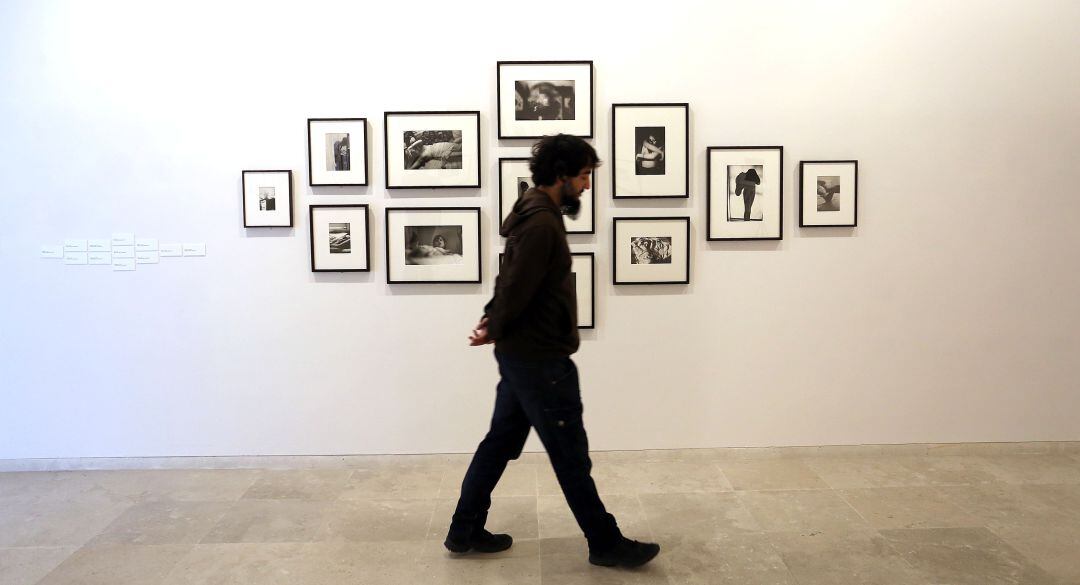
x=501, y=110
x=367, y=236
x=245, y=199
x=388, y=226
x=803, y=193
x=709, y=193
x=616, y=256
x=615, y=158
x=592, y=286
x=475, y=182
x=366, y=160
x=570, y=229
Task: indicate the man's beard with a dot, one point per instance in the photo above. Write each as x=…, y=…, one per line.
x=571, y=201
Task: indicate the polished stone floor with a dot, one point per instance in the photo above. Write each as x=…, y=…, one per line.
x=897, y=517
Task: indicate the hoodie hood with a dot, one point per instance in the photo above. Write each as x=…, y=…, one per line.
x=533, y=201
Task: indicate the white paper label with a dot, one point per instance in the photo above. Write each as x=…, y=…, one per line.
x=171, y=250
x=52, y=251
x=150, y=257
x=100, y=258
x=74, y=245
x=194, y=249
x=145, y=244
x=123, y=239
x=75, y=258
x=123, y=252
x=123, y=263
x=98, y=245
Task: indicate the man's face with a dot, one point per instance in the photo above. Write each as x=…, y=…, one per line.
x=572, y=189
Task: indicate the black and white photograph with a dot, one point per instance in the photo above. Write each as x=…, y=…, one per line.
x=744, y=192
x=650, y=151
x=651, y=250
x=540, y=98
x=337, y=152
x=432, y=245
x=266, y=197
x=339, y=238
x=828, y=193
x=523, y=185
x=432, y=149
x=515, y=179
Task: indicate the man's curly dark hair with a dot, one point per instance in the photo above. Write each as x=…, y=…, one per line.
x=560, y=156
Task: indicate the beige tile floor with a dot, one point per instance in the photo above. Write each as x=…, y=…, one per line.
x=935, y=516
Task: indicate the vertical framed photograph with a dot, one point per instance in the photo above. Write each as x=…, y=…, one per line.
x=583, y=271
x=339, y=238
x=651, y=250
x=828, y=193
x=515, y=179
x=432, y=244
x=540, y=98
x=650, y=148
x=432, y=150
x=337, y=152
x=745, y=193
x=267, y=198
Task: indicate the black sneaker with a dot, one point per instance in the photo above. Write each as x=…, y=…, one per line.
x=483, y=542
x=627, y=553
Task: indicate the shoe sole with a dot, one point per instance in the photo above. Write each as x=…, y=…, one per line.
x=458, y=549
x=607, y=563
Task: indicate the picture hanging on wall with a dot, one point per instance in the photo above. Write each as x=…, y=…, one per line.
x=583, y=272
x=828, y=193
x=267, y=198
x=432, y=244
x=337, y=152
x=651, y=250
x=650, y=148
x=432, y=150
x=339, y=238
x=540, y=98
x=745, y=187
x=515, y=178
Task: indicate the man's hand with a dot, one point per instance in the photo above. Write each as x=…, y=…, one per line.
x=479, y=335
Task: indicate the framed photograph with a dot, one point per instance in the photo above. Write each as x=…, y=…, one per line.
x=540, y=98
x=267, y=198
x=339, y=238
x=650, y=148
x=515, y=178
x=432, y=244
x=583, y=271
x=745, y=192
x=651, y=250
x=432, y=150
x=828, y=193
x=337, y=152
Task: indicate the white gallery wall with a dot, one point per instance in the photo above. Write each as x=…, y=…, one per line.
x=951, y=313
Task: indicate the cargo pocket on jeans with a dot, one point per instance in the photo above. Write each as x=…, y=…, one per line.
x=563, y=411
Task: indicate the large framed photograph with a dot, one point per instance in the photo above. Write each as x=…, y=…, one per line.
x=745, y=193
x=515, y=179
x=583, y=271
x=651, y=250
x=267, y=198
x=337, y=152
x=339, y=238
x=540, y=98
x=650, y=148
x=432, y=150
x=828, y=193
x=432, y=244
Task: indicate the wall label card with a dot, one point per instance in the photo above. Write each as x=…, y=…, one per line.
x=123, y=239
x=100, y=258
x=98, y=245
x=194, y=249
x=74, y=245
x=146, y=257
x=75, y=258
x=52, y=251
x=122, y=264
x=171, y=250
x=123, y=251
x=146, y=244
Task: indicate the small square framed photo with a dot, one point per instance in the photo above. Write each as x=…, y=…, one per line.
x=583, y=271
x=540, y=98
x=267, y=198
x=745, y=193
x=337, y=152
x=650, y=148
x=339, y=238
x=515, y=179
x=828, y=193
x=651, y=250
x=432, y=150
x=432, y=244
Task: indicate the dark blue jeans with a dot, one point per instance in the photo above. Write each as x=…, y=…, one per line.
x=545, y=395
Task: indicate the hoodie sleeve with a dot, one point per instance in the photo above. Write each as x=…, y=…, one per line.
x=524, y=268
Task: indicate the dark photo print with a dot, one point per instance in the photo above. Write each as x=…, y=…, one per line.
x=544, y=100
x=523, y=185
x=433, y=149
x=743, y=182
x=649, y=142
x=337, y=151
x=433, y=244
x=828, y=193
x=650, y=250
x=340, y=238
x=267, y=200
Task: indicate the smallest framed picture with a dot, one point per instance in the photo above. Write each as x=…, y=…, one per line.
x=267, y=198
x=339, y=238
x=828, y=193
x=337, y=152
x=651, y=250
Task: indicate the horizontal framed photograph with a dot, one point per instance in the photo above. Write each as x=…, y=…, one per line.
x=650, y=148
x=828, y=193
x=432, y=150
x=583, y=271
x=515, y=179
x=432, y=244
x=339, y=238
x=745, y=192
x=267, y=198
x=651, y=250
x=541, y=98
x=337, y=152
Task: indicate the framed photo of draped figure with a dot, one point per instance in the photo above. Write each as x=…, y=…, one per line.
x=337, y=152
x=432, y=245
x=828, y=193
x=432, y=150
x=540, y=98
x=583, y=272
x=515, y=179
x=651, y=250
x=745, y=192
x=650, y=148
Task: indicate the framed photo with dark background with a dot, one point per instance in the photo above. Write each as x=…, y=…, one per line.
x=745, y=192
x=337, y=152
x=650, y=148
x=540, y=98
x=651, y=250
x=339, y=238
x=515, y=178
x=583, y=271
x=432, y=150
x=828, y=193
x=267, y=198
x=432, y=244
